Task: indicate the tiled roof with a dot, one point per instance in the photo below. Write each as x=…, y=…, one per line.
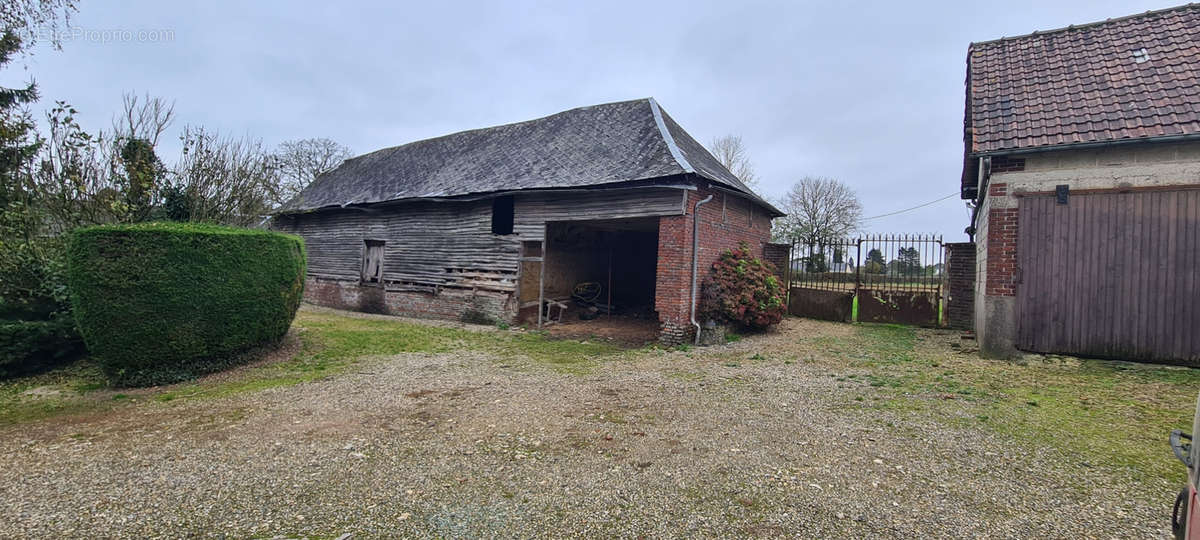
x=1121, y=79
x=599, y=145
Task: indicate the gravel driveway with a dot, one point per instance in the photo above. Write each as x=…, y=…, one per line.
x=740, y=440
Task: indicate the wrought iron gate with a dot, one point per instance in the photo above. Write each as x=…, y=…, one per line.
x=874, y=278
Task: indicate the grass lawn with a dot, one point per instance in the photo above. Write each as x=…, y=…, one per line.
x=1115, y=415
x=324, y=343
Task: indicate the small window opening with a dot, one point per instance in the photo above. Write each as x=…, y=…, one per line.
x=372, y=265
x=1141, y=55
x=502, y=215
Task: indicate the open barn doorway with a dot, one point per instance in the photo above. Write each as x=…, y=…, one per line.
x=598, y=280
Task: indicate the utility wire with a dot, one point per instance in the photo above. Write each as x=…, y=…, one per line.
x=911, y=209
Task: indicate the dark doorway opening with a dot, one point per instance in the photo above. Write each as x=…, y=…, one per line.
x=599, y=279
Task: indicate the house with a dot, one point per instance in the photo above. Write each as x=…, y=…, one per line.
x=504, y=223
x=1082, y=162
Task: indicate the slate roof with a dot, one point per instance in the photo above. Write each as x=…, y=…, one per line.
x=589, y=146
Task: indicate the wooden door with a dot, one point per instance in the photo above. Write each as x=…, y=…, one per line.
x=1113, y=275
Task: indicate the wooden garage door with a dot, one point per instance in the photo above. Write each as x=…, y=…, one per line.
x=1113, y=275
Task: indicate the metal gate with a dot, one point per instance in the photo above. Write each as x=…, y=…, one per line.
x=877, y=278
x=1111, y=275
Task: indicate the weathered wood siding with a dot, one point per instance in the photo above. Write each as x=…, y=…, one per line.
x=535, y=209
x=428, y=245
x=1113, y=275
x=431, y=245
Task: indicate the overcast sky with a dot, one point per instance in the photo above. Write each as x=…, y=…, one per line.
x=870, y=93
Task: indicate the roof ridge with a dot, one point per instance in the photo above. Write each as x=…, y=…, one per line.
x=1037, y=33
x=668, y=138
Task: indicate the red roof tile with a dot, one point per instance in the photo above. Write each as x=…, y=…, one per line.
x=1085, y=84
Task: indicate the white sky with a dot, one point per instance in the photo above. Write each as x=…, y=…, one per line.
x=870, y=93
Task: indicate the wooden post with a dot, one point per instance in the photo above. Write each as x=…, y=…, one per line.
x=542, y=272
x=610, y=306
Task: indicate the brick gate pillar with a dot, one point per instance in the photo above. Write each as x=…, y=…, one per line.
x=960, y=296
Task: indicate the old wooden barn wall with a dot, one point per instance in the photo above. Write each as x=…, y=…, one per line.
x=1111, y=274
x=427, y=244
x=535, y=209
x=432, y=245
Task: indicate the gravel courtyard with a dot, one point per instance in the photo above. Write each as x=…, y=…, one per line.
x=814, y=430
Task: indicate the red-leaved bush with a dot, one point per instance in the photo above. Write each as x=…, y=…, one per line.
x=742, y=289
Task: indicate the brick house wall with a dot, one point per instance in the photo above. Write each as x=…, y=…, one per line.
x=725, y=221
x=960, y=298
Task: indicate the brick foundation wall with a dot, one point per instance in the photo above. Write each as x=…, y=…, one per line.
x=725, y=221
x=960, y=298
x=447, y=304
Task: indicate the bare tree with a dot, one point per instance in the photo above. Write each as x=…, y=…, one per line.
x=301, y=161
x=730, y=151
x=222, y=180
x=818, y=209
x=144, y=118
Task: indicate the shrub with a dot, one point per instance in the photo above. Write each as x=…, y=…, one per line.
x=36, y=328
x=33, y=283
x=743, y=290
x=28, y=346
x=162, y=302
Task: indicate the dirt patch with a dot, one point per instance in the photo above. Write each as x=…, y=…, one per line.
x=621, y=330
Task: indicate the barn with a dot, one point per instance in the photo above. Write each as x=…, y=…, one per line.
x=594, y=209
x=1082, y=164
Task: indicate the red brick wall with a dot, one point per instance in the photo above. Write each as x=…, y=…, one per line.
x=723, y=224
x=778, y=255
x=960, y=302
x=1001, y=251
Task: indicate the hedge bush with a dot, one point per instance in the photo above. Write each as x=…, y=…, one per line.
x=30, y=346
x=158, y=303
x=743, y=290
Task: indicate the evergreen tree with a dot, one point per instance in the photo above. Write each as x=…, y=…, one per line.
x=18, y=140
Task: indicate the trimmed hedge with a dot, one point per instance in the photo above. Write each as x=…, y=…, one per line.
x=30, y=346
x=158, y=303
